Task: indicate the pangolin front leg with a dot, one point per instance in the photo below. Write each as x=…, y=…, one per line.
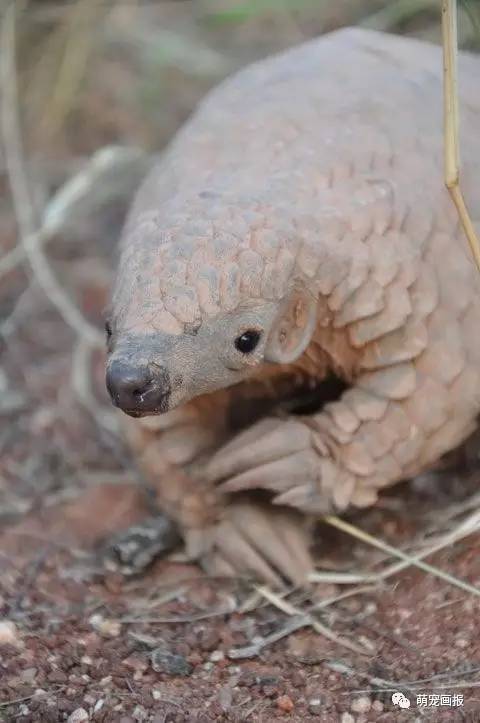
x=252, y=538
x=241, y=536
x=396, y=420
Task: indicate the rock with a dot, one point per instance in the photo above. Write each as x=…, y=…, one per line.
x=285, y=704
x=361, y=705
x=347, y=718
x=78, y=716
x=217, y=655
x=165, y=662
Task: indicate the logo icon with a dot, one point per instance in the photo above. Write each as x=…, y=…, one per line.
x=400, y=700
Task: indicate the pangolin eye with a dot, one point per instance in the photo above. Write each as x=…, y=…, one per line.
x=247, y=341
x=108, y=330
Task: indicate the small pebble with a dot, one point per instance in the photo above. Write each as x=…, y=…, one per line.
x=165, y=662
x=8, y=633
x=209, y=640
x=347, y=718
x=297, y=679
x=266, y=680
x=225, y=698
x=217, y=655
x=98, y=705
x=377, y=706
x=361, y=705
x=269, y=691
x=28, y=675
x=78, y=716
x=285, y=704
x=314, y=705
x=139, y=713
x=104, y=626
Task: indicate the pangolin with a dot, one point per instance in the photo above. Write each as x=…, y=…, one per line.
x=295, y=320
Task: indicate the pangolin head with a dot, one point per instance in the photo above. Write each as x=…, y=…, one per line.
x=207, y=292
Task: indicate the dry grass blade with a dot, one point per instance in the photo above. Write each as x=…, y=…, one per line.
x=466, y=527
x=30, y=236
x=79, y=31
x=342, y=578
x=415, y=561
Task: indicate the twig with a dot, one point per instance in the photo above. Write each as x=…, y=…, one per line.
x=301, y=619
x=451, y=125
x=254, y=649
x=105, y=177
x=343, y=596
x=10, y=260
x=343, y=578
x=15, y=701
x=390, y=685
x=276, y=600
x=195, y=617
x=339, y=667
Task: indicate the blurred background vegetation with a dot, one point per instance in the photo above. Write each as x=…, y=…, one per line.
x=96, y=72
x=93, y=73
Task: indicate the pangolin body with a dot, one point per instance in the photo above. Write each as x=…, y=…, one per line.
x=303, y=204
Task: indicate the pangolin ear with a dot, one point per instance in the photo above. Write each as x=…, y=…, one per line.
x=293, y=328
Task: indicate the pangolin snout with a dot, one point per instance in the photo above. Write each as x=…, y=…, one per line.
x=138, y=389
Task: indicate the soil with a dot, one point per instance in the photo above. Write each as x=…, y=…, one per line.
x=78, y=642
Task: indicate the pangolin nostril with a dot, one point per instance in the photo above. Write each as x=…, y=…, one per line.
x=137, y=388
x=139, y=392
